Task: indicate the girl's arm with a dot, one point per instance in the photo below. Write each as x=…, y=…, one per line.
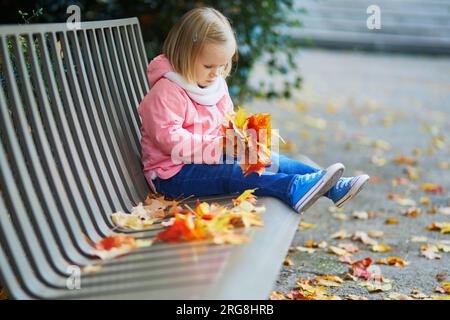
x=163, y=114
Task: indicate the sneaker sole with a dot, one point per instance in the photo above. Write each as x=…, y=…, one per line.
x=334, y=172
x=354, y=190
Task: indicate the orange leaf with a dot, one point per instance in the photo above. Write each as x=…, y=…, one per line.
x=116, y=241
x=184, y=228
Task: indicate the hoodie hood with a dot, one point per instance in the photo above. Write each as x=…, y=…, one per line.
x=157, y=68
x=160, y=67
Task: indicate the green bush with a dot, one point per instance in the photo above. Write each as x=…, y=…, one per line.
x=257, y=25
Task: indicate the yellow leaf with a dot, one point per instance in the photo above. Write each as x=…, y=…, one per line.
x=306, y=225
x=391, y=221
x=381, y=248
x=3, y=294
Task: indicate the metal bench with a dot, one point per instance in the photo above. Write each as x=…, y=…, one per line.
x=70, y=157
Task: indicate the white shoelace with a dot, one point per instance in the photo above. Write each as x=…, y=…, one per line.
x=307, y=177
x=343, y=183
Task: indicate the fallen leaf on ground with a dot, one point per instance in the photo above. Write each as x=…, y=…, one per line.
x=288, y=262
x=444, y=288
x=349, y=247
x=430, y=252
x=355, y=297
x=412, y=212
x=425, y=201
x=3, y=294
x=375, y=233
x=329, y=281
x=402, y=159
x=337, y=251
x=376, y=286
x=341, y=234
x=412, y=173
x=391, y=221
x=304, y=249
x=398, y=296
x=442, y=227
x=305, y=225
x=419, y=239
x=431, y=187
x=381, y=248
x=364, y=215
x=312, y=244
x=441, y=276
x=417, y=294
x=444, y=211
x=401, y=200
x=276, y=295
x=393, y=261
x=364, y=238
x=340, y=216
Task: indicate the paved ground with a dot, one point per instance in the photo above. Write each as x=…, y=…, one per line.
x=362, y=110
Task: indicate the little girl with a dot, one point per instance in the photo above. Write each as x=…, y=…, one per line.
x=182, y=117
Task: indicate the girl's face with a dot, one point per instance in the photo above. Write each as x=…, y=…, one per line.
x=211, y=62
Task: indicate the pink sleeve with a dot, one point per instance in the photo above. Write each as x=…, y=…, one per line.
x=229, y=105
x=163, y=114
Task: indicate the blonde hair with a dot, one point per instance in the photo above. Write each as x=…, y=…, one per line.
x=189, y=35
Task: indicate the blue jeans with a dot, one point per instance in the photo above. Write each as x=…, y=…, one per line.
x=219, y=179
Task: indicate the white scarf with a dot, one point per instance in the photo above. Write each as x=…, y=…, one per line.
x=208, y=96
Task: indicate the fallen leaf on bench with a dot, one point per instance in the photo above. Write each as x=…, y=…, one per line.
x=184, y=228
x=117, y=245
x=92, y=269
x=142, y=216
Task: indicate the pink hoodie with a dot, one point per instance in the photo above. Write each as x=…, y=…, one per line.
x=169, y=116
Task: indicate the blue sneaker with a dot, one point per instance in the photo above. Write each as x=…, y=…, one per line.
x=309, y=187
x=346, y=188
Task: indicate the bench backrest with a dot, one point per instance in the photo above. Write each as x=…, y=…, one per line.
x=70, y=134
